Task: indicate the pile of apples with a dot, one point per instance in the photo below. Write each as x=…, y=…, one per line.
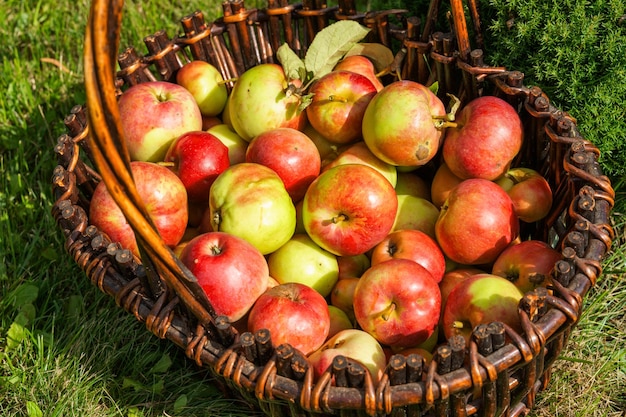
x=308, y=214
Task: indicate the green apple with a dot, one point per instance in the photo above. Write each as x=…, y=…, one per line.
x=416, y=213
x=206, y=85
x=339, y=320
x=250, y=201
x=235, y=143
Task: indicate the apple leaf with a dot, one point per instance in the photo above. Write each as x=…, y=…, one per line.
x=331, y=44
x=434, y=87
x=380, y=55
x=292, y=64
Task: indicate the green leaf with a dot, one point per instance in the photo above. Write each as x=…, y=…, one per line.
x=380, y=55
x=33, y=410
x=15, y=335
x=25, y=294
x=162, y=365
x=292, y=64
x=131, y=383
x=434, y=87
x=26, y=315
x=331, y=44
x=180, y=404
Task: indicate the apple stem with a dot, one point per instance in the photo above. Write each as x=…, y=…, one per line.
x=442, y=122
x=216, y=220
x=337, y=98
x=230, y=80
x=385, y=315
x=166, y=164
x=457, y=324
x=340, y=218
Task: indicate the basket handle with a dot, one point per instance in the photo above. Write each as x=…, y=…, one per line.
x=112, y=159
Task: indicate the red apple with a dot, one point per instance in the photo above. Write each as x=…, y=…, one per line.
x=342, y=295
x=530, y=192
x=361, y=65
x=413, y=245
x=398, y=302
x=399, y=126
x=198, y=158
x=443, y=182
x=352, y=266
x=206, y=85
x=339, y=100
x=481, y=299
x=488, y=135
x=153, y=114
x=358, y=153
x=293, y=313
x=231, y=271
x=348, y=209
x=451, y=279
x=476, y=222
x=527, y=264
x=164, y=197
x=291, y=154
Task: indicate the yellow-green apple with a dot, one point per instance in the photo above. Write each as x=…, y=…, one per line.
x=487, y=136
x=527, y=264
x=291, y=154
x=399, y=124
x=361, y=65
x=409, y=183
x=259, y=101
x=443, y=182
x=327, y=149
x=359, y=153
x=164, y=197
x=294, y=313
x=206, y=85
x=236, y=145
x=153, y=114
x=453, y=277
x=339, y=321
x=210, y=121
x=416, y=213
x=249, y=200
x=197, y=158
x=476, y=223
x=398, y=302
x=530, y=192
x=354, y=344
x=339, y=100
x=415, y=246
x=481, y=299
x=352, y=266
x=342, y=295
x=232, y=272
x=348, y=209
x=302, y=260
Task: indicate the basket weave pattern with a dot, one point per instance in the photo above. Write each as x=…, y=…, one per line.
x=498, y=373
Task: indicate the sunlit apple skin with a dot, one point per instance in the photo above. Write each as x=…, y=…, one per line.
x=291, y=154
x=339, y=321
x=153, y=114
x=452, y=278
x=206, y=85
x=408, y=183
x=339, y=100
x=398, y=124
x=530, y=192
x=198, y=158
x=353, y=266
x=398, y=302
x=293, y=313
x=488, y=135
x=348, y=209
x=302, y=260
x=232, y=272
x=258, y=102
x=415, y=246
x=481, y=299
x=443, y=182
x=417, y=214
x=354, y=344
x=164, y=197
x=359, y=153
x=236, y=145
x=361, y=65
x=527, y=264
x=249, y=200
x=476, y=223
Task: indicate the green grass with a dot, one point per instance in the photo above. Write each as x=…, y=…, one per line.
x=67, y=350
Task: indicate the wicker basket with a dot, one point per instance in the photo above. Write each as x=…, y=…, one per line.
x=498, y=373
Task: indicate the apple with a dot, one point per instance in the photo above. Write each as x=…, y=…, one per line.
x=415, y=246
x=452, y=278
x=197, y=158
x=293, y=313
x=302, y=260
x=348, y=209
x=339, y=100
x=488, y=135
x=443, y=182
x=206, y=85
x=527, y=264
x=409, y=183
x=398, y=125
x=339, y=321
x=359, y=153
x=232, y=272
x=354, y=344
x=361, y=65
x=416, y=213
x=476, y=222
x=481, y=299
x=352, y=266
x=398, y=302
x=210, y=121
x=249, y=200
x=530, y=192
x=259, y=102
x=291, y=154
x=328, y=150
x=165, y=200
x=236, y=145
x=153, y=114
x=342, y=295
